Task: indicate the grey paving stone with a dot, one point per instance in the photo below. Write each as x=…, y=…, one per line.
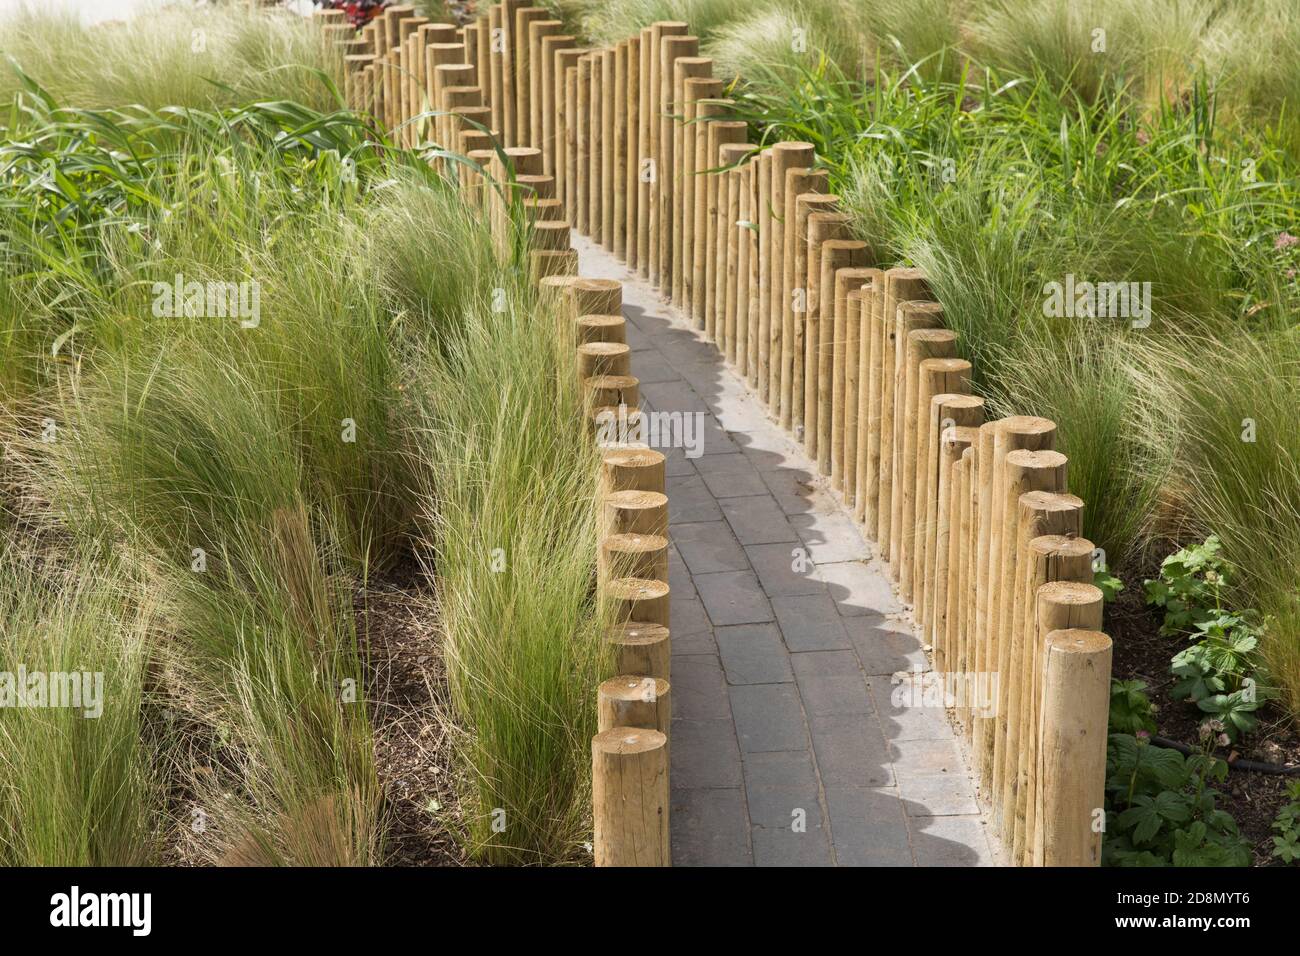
x=858, y=589
x=768, y=717
x=831, y=536
x=676, y=464
x=753, y=654
x=850, y=750
x=784, y=569
x=868, y=827
x=779, y=783
x=687, y=617
x=730, y=476
x=708, y=546
x=756, y=519
x=637, y=340
x=704, y=753
x=681, y=587
x=811, y=622
x=710, y=828
x=650, y=367
x=793, y=488
x=938, y=795
x=950, y=841
x=733, y=597
x=699, y=692
x=926, y=759
x=689, y=501
x=673, y=397
x=886, y=647
x=784, y=847
x=907, y=722
x=831, y=682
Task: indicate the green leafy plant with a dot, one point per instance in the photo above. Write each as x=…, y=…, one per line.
x=1286, y=845
x=1189, y=586
x=1109, y=584
x=1162, y=808
x=1131, y=710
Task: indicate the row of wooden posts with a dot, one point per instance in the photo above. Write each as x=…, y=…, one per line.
x=634, y=145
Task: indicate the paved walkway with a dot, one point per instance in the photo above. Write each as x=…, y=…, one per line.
x=782, y=678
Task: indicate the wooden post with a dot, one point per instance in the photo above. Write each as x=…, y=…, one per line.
x=694, y=143
x=629, y=797
x=909, y=317
x=1023, y=472
x=823, y=227
x=618, y=181
x=799, y=183
x=601, y=328
x=718, y=135
x=550, y=104
x=641, y=649
x=1071, y=769
x=855, y=343
x=632, y=151
x=958, y=603
x=632, y=556
x=842, y=281
x=901, y=285
x=633, y=700
x=632, y=469
x=497, y=65
x=925, y=341
x=645, y=148
x=732, y=155
x=602, y=358
x=538, y=66
x=744, y=267
x=685, y=69
x=521, y=62
x=566, y=133
x=608, y=135
x=596, y=149
x=704, y=109
x=660, y=31
x=947, y=409
x=760, y=368
x=582, y=139
x=797, y=291
x=670, y=50
x=952, y=445
x=1006, y=435
x=510, y=69
x=638, y=599
x=786, y=156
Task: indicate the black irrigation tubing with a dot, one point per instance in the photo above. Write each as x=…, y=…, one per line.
x=1251, y=766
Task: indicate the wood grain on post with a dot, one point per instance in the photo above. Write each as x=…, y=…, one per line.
x=538, y=67
x=629, y=797
x=645, y=148
x=618, y=181
x=553, y=262
x=786, y=156
x=632, y=469
x=612, y=391
x=959, y=590
x=632, y=556
x=760, y=368
x=732, y=149
x=567, y=63
x=634, y=512
x=483, y=40
x=521, y=42
x=608, y=136
x=823, y=227
x=659, y=32
x=641, y=649
x=549, y=104
x=582, y=140
x=1014, y=433
x=797, y=291
x=1072, y=759
x=496, y=68
x=638, y=599
x=836, y=256
x=745, y=262
x=953, y=443
x=634, y=700
x=595, y=297
x=603, y=358
x=720, y=135
x=596, y=149
x=685, y=70
x=856, y=359
x=436, y=56
x=671, y=48
x=730, y=220
x=901, y=285
x=1023, y=472
x=694, y=146
x=601, y=328
x=909, y=317
x=844, y=280
x=948, y=409
x=799, y=182
x=704, y=110
x=632, y=152
x=510, y=69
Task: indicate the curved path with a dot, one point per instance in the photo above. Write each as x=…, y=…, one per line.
x=786, y=748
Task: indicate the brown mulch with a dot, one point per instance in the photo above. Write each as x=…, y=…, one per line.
x=1141, y=653
x=413, y=742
